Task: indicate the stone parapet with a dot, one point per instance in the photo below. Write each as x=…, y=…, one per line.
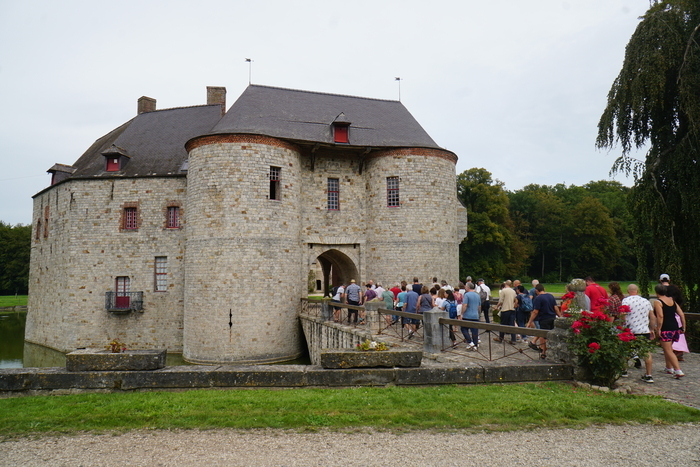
x=331, y=358
x=59, y=380
x=104, y=360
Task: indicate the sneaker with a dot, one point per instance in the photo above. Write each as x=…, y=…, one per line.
x=625, y=374
x=647, y=379
x=470, y=346
x=670, y=371
x=497, y=339
x=638, y=364
x=410, y=334
x=678, y=374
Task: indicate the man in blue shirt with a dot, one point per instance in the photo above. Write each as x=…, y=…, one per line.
x=410, y=307
x=471, y=304
x=545, y=310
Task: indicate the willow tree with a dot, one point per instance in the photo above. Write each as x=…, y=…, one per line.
x=655, y=102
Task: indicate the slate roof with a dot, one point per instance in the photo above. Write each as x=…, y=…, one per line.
x=307, y=117
x=153, y=141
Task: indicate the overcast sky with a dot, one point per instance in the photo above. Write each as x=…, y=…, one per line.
x=514, y=86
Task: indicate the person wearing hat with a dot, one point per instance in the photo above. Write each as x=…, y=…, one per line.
x=681, y=346
x=485, y=294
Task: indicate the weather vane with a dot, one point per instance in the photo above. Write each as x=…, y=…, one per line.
x=250, y=69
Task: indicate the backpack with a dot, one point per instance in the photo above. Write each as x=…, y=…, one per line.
x=334, y=291
x=525, y=303
x=452, y=309
x=483, y=295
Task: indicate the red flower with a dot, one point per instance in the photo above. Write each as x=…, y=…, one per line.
x=568, y=296
x=626, y=336
x=593, y=346
x=603, y=302
x=624, y=309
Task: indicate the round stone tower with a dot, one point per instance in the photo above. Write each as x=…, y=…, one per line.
x=243, y=259
x=421, y=235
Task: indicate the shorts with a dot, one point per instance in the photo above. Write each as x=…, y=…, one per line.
x=670, y=336
x=546, y=323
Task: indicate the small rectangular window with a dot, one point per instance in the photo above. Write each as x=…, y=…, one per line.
x=173, y=217
x=112, y=164
x=392, y=192
x=130, y=218
x=275, y=182
x=333, y=194
x=161, y=273
x=340, y=134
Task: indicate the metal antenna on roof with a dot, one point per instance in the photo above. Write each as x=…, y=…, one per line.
x=250, y=69
x=399, y=80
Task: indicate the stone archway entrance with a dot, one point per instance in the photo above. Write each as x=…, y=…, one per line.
x=337, y=269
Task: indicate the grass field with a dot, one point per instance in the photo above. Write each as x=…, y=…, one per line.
x=473, y=408
x=11, y=300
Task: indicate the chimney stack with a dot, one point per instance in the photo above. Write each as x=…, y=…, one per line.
x=146, y=104
x=217, y=95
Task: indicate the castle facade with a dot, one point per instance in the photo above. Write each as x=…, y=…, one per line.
x=194, y=228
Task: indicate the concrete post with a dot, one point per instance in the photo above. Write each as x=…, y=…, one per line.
x=326, y=310
x=372, y=317
x=434, y=334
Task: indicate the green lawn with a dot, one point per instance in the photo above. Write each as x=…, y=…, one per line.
x=11, y=300
x=472, y=408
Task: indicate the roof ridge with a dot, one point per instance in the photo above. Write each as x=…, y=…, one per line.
x=324, y=93
x=181, y=107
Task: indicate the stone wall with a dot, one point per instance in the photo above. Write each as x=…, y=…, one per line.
x=243, y=253
x=85, y=249
x=237, y=267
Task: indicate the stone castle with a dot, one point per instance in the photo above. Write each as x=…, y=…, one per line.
x=194, y=228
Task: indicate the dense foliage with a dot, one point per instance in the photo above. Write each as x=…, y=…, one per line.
x=493, y=248
x=552, y=233
x=15, y=243
x=655, y=101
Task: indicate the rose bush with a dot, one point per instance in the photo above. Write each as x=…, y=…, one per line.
x=603, y=344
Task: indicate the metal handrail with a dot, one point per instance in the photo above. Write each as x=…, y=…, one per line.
x=135, y=302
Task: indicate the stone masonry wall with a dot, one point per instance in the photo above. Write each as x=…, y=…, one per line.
x=243, y=253
x=421, y=237
x=86, y=249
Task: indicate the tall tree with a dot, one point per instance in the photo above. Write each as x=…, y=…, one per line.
x=491, y=249
x=15, y=245
x=655, y=100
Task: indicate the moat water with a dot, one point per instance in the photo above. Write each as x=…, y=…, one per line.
x=15, y=353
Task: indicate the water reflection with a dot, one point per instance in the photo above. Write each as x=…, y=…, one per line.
x=15, y=353
x=12, y=339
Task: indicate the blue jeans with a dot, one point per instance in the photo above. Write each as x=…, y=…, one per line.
x=486, y=307
x=507, y=319
x=522, y=317
x=474, y=339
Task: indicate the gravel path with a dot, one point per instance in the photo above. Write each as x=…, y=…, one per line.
x=601, y=446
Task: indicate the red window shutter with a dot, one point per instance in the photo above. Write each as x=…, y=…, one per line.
x=112, y=164
x=341, y=134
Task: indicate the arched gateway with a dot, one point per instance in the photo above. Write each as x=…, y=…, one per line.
x=214, y=218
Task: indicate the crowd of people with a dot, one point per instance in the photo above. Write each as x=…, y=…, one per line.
x=517, y=306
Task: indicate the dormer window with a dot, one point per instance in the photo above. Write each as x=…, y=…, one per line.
x=341, y=129
x=60, y=172
x=115, y=159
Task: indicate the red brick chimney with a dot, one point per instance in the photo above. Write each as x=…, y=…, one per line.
x=217, y=95
x=146, y=104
